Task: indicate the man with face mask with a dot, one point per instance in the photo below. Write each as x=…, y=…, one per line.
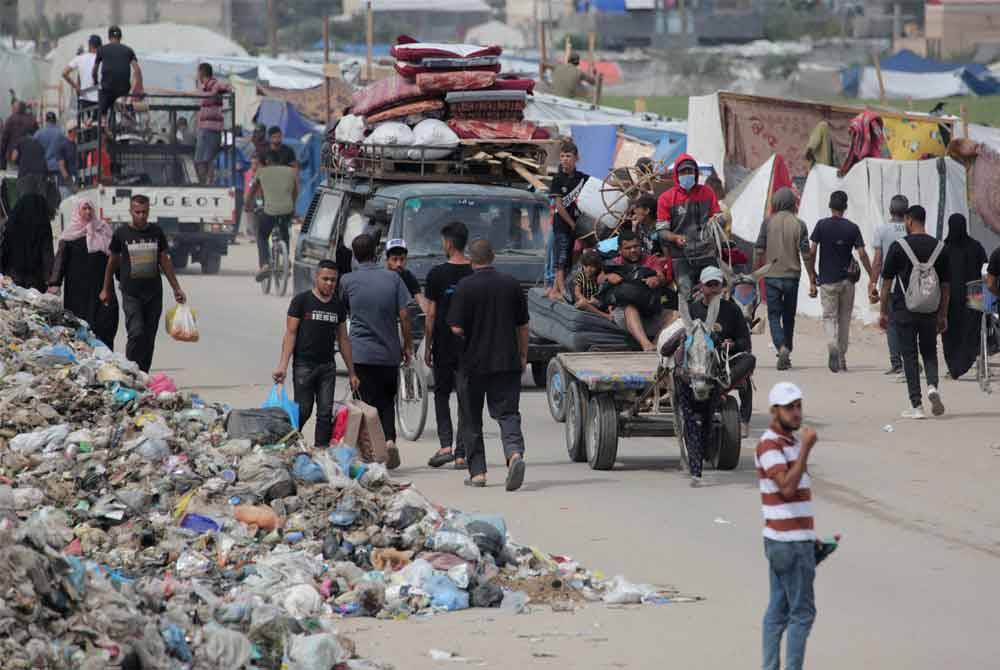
x=681, y=213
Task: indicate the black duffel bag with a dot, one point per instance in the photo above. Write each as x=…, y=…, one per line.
x=266, y=425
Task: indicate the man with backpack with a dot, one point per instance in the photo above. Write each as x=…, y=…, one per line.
x=919, y=303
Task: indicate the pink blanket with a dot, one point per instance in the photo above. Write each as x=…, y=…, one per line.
x=383, y=94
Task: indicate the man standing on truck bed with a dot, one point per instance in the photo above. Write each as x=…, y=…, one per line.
x=83, y=66
x=442, y=347
x=140, y=250
x=565, y=190
x=210, y=123
x=279, y=186
x=120, y=71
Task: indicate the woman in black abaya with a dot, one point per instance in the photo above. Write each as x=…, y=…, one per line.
x=966, y=257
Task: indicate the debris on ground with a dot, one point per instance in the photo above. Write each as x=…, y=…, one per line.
x=135, y=531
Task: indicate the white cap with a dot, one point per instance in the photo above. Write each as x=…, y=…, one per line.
x=783, y=394
x=712, y=273
x=395, y=243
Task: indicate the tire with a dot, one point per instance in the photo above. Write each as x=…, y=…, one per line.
x=211, y=263
x=555, y=390
x=727, y=456
x=179, y=258
x=539, y=374
x=411, y=404
x=282, y=268
x=602, y=432
x=576, y=421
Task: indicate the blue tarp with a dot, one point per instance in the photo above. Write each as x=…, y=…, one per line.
x=354, y=48
x=669, y=144
x=601, y=6
x=597, y=148
x=273, y=112
x=977, y=77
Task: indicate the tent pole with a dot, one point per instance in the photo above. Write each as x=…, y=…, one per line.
x=326, y=62
x=272, y=29
x=881, y=82
x=370, y=37
x=965, y=121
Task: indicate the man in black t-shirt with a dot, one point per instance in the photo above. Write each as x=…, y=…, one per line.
x=316, y=320
x=442, y=347
x=140, y=251
x=916, y=329
x=993, y=273
x=285, y=154
x=490, y=313
x=120, y=71
x=395, y=260
x=564, y=191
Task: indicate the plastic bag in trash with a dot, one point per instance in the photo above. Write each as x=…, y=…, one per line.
x=454, y=542
x=182, y=323
x=307, y=469
x=266, y=476
x=56, y=354
x=222, y=648
x=620, y=591
x=279, y=398
x=315, y=652
x=444, y=594
x=263, y=426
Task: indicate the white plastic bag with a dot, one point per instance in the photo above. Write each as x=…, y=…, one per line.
x=350, y=129
x=436, y=134
x=182, y=323
x=392, y=133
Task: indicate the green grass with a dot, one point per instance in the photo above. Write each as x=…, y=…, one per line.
x=983, y=110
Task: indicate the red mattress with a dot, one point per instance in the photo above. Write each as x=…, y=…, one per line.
x=497, y=130
x=417, y=51
x=442, y=82
x=400, y=111
x=526, y=85
x=384, y=93
x=411, y=70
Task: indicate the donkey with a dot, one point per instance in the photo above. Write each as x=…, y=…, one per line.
x=700, y=363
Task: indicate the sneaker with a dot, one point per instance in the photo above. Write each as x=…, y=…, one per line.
x=843, y=364
x=894, y=370
x=784, y=359
x=392, y=455
x=914, y=413
x=834, y=361
x=900, y=378
x=937, y=407
x=695, y=482
x=744, y=430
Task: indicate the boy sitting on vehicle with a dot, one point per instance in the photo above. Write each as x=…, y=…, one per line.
x=586, y=287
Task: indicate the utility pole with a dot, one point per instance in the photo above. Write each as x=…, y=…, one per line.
x=116, y=12
x=272, y=26
x=227, y=17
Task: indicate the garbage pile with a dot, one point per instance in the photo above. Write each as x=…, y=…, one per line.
x=136, y=532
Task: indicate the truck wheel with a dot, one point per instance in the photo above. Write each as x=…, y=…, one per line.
x=728, y=452
x=602, y=432
x=539, y=374
x=576, y=419
x=179, y=257
x=555, y=390
x=211, y=263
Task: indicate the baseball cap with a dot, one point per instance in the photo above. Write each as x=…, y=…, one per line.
x=115, y=31
x=783, y=394
x=395, y=243
x=712, y=273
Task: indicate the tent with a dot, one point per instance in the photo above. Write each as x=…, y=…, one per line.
x=938, y=185
x=496, y=32
x=907, y=75
x=294, y=126
x=22, y=72
x=749, y=203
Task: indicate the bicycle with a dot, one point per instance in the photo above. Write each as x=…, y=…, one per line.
x=980, y=299
x=411, y=400
x=281, y=266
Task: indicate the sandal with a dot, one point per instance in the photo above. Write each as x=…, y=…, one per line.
x=441, y=458
x=515, y=474
x=476, y=483
x=460, y=464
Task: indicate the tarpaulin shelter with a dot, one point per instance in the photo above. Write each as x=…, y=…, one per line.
x=907, y=75
x=938, y=185
x=597, y=144
x=272, y=112
x=750, y=203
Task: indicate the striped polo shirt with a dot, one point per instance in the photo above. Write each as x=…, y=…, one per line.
x=785, y=520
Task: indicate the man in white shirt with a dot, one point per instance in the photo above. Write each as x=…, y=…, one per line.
x=83, y=66
x=885, y=235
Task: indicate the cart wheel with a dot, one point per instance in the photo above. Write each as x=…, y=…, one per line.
x=539, y=374
x=727, y=455
x=555, y=390
x=983, y=362
x=602, y=432
x=575, y=406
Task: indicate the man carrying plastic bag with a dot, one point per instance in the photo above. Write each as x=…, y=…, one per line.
x=316, y=319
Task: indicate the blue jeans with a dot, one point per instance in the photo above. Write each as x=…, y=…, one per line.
x=792, y=568
x=782, y=301
x=892, y=333
x=550, y=269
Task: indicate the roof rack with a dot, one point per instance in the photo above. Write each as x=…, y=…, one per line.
x=499, y=162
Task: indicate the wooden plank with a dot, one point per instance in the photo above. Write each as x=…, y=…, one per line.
x=529, y=177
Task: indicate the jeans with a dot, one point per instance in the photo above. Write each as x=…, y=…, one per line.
x=316, y=383
x=917, y=331
x=501, y=392
x=892, y=334
x=142, y=317
x=265, y=224
x=687, y=273
x=838, y=305
x=550, y=269
x=792, y=606
x=782, y=301
x=379, y=386
x=446, y=380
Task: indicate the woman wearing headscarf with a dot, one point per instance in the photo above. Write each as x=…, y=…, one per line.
x=79, y=269
x=26, y=249
x=965, y=260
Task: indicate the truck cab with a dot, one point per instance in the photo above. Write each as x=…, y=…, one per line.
x=144, y=155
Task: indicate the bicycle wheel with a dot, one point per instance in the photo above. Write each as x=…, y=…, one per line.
x=983, y=363
x=411, y=403
x=282, y=267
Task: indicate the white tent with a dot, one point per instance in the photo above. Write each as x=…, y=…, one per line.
x=748, y=202
x=496, y=32
x=937, y=185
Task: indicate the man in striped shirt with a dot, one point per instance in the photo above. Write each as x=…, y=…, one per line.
x=789, y=538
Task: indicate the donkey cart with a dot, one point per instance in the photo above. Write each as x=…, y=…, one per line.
x=610, y=395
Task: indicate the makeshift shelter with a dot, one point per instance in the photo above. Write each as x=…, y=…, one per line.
x=274, y=112
x=496, y=32
x=938, y=185
x=750, y=203
x=907, y=75
x=738, y=133
x=22, y=72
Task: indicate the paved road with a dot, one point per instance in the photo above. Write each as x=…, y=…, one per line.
x=913, y=586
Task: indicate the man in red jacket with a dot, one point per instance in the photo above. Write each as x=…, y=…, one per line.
x=681, y=214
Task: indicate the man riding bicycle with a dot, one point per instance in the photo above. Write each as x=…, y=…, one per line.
x=731, y=338
x=278, y=184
